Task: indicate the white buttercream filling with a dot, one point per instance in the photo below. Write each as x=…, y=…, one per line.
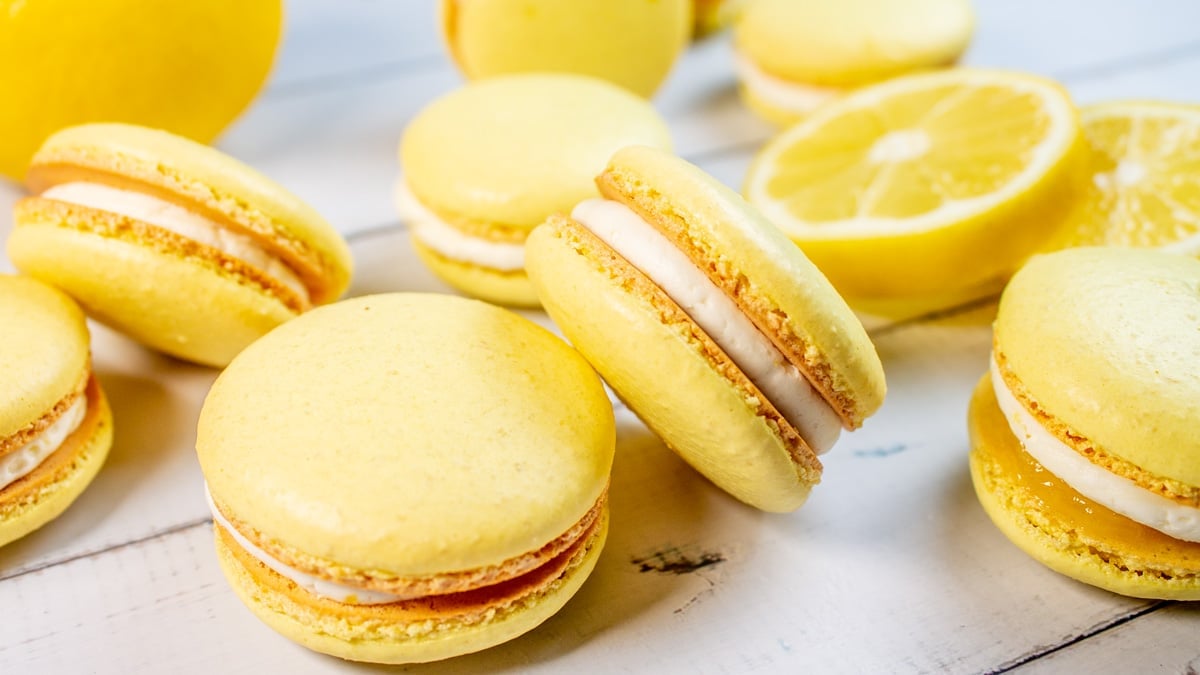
x=777, y=92
x=161, y=213
x=453, y=243
x=1094, y=482
x=313, y=584
x=717, y=315
x=28, y=457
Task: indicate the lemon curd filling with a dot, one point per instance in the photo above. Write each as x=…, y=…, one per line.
x=717, y=315
x=19, y=463
x=1093, y=523
x=780, y=93
x=313, y=584
x=1115, y=493
x=174, y=218
x=451, y=242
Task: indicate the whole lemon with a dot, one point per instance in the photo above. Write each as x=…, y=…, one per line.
x=188, y=67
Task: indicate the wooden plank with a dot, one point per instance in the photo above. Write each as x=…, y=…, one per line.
x=883, y=570
x=326, y=41
x=1162, y=641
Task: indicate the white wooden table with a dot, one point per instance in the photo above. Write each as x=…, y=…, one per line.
x=891, y=566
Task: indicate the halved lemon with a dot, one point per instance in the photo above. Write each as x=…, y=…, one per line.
x=1145, y=178
x=925, y=186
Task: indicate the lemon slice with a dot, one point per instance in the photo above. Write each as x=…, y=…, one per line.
x=925, y=185
x=1145, y=179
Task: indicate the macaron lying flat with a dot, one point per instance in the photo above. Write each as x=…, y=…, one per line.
x=487, y=163
x=1085, y=452
x=631, y=43
x=403, y=478
x=172, y=242
x=55, y=424
x=793, y=55
x=709, y=324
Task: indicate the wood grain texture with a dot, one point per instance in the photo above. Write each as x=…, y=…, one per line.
x=1163, y=641
x=892, y=566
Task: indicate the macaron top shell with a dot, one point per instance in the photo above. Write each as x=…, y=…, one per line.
x=407, y=433
x=771, y=280
x=45, y=353
x=632, y=43
x=1106, y=340
x=852, y=42
x=201, y=177
x=512, y=150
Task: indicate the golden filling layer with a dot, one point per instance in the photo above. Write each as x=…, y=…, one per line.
x=302, y=566
x=61, y=462
x=1072, y=512
x=464, y=607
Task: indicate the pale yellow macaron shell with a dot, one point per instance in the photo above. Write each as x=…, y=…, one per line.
x=852, y=42
x=1106, y=340
x=44, y=355
x=510, y=288
x=187, y=307
x=407, y=433
x=662, y=374
x=25, y=516
x=769, y=271
x=632, y=43
x=207, y=178
x=510, y=151
x=1064, y=530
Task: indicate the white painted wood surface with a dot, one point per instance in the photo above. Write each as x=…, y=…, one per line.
x=892, y=566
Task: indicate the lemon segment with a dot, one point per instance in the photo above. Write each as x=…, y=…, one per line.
x=924, y=185
x=1144, y=179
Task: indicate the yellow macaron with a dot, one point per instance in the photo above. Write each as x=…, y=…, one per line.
x=406, y=477
x=711, y=16
x=55, y=424
x=632, y=43
x=710, y=324
x=172, y=242
x=1085, y=452
x=793, y=55
x=484, y=165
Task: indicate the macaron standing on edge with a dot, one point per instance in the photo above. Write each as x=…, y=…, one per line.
x=484, y=165
x=710, y=324
x=1084, y=445
x=55, y=424
x=793, y=55
x=407, y=477
x=631, y=43
x=175, y=244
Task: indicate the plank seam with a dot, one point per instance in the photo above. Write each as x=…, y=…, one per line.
x=183, y=527
x=355, y=77
x=1098, y=630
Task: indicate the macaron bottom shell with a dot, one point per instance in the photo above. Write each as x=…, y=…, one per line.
x=47, y=491
x=508, y=288
x=416, y=631
x=652, y=357
x=1065, y=531
x=775, y=114
x=177, y=302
